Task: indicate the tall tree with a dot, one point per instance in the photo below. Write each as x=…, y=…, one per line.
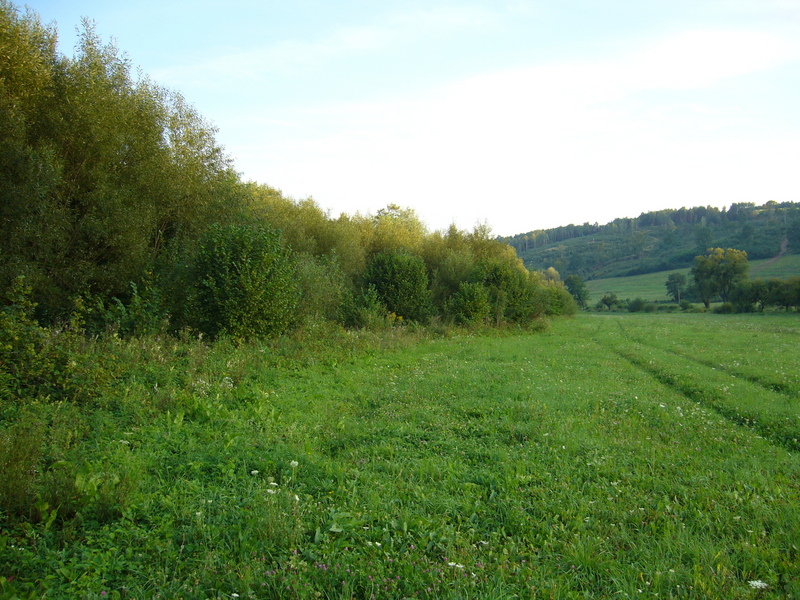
x=578, y=289
x=717, y=272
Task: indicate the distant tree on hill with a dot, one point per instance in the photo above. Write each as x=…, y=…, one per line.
x=703, y=236
x=676, y=284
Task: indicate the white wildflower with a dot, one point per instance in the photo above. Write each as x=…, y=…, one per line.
x=294, y=464
x=271, y=491
x=254, y=472
x=757, y=584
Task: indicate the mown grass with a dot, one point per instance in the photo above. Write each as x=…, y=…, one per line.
x=599, y=459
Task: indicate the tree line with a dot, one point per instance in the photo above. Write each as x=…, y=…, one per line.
x=120, y=206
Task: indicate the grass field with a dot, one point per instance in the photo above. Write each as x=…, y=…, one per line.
x=651, y=287
x=612, y=456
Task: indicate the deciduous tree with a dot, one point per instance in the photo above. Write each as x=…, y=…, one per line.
x=676, y=284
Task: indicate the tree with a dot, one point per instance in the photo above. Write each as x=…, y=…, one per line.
x=609, y=300
x=784, y=292
x=703, y=236
x=717, y=272
x=676, y=284
x=578, y=289
x=100, y=172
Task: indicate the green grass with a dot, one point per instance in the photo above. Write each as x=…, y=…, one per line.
x=651, y=286
x=786, y=266
x=613, y=456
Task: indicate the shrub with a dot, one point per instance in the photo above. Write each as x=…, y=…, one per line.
x=636, y=305
x=470, y=304
x=400, y=281
x=725, y=308
x=20, y=450
x=558, y=301
x=322, y=288
x=244, y=283
x=364, y=310
x=32, y=365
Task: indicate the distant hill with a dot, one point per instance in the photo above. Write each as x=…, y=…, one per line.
x=661, y=241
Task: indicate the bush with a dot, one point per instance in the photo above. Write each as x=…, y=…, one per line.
x=244, y=283
x=33, y=364
x=400, y=280
x=322, y=288
x=365, y=310
x=726, y=308
x=557, y=301
x=636, y=305
x=470, y=304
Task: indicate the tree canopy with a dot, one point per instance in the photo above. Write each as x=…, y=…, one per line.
x=117, y=196
x=718, y=272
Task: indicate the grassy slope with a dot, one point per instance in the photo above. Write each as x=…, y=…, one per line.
x=614, y=455
x=651, y=286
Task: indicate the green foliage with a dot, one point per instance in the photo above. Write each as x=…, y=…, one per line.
x=578, y=289
x=32, y=365
x=100, y=172
x=244, y=283
x=401, y=283
x=40, y=364
x=365, y=310
x=470, y=305
x=676, y=285
x=20, y=453
x=555, y=300
x=609, y=301
x=322, y=288
x=717, y=272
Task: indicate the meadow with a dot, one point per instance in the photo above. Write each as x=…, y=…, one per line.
x=608, y=456
x=650, y=286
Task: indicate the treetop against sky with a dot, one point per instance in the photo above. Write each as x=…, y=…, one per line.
x=520, y=114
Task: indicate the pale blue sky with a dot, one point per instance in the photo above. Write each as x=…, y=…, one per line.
x=520, y=114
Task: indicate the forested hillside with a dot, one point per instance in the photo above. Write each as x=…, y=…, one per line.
x=662, y=240
x=120, y=210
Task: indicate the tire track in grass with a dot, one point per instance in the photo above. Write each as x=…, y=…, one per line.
x=770, y=386
x=710, y=390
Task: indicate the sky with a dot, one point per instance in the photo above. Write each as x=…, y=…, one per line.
x=518, y=114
